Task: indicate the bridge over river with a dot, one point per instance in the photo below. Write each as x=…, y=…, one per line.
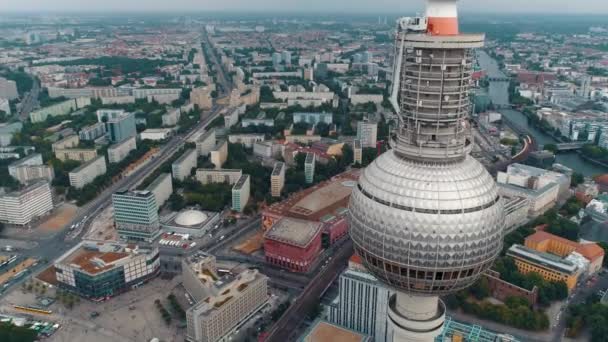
x=568, y=146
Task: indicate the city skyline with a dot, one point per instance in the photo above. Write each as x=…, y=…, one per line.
x=342, y=6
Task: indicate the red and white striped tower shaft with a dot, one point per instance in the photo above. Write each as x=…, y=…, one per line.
x=442, y=17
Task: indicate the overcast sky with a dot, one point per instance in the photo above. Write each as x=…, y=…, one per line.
x=343, y=6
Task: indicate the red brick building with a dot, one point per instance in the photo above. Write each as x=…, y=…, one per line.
x=293, y=244
x=335, y=228
x=502, y=290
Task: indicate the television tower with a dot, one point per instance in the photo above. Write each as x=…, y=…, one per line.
x=426, y=218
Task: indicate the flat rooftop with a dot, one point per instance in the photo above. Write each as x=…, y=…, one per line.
x=590, y=251
x=324, y=331
x=546, y=260
x=94, y=257
x=294, y=231
x=206, y=135
x=322, y=198
x=239, y=184
x=183, y=157
x=310, y=158
x=278, y=167
x=332, y=194
x=25, y=159
x=121, y=143
x=158, y=180
x=136, y=193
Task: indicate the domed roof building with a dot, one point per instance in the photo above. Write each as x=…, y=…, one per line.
x=190, y=218
x=192, y=222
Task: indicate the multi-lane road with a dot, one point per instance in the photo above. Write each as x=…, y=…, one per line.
x=287, y=326
x=30, y=101
x=52, y=248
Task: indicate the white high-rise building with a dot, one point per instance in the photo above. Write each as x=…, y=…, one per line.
x=5, y=106
x=8, y=89
x=286, y=57
x=21, y=207
x=362, y=303
x=240, y=193
x=162, y=188
x=277, y=179
x=367, y=133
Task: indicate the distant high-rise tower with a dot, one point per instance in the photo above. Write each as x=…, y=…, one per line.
x=286, y=58
x=309, y=168
x=136, y=215
x=276, y=59
x=426, y=218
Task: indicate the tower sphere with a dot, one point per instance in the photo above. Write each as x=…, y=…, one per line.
x=426, y=229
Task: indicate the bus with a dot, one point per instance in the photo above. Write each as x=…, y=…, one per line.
x=32, y=310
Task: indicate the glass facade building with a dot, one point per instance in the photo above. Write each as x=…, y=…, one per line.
x=136, y=215
x=100, y=270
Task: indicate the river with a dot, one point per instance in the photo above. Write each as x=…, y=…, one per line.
x=499, y=94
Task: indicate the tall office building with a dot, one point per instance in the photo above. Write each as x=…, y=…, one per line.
x=286, y=57
x=367, y=133
x=120, y=125
x=426, y=218
x=136, y=215
x=240, y=193
x=366, y=57
x=362, y=302
x=21, y=207
x=276, y=59
x=277, y=179
x=309, y=167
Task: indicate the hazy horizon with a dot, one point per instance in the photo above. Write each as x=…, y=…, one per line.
x=311, y=6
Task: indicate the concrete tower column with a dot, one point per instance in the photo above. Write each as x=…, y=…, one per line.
x=416, y=318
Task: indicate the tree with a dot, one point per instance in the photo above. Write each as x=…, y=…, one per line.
x=369, y=154
x=176, y=202
x=481, y=289
x=13, y=333
x=577, y=178
x=322, y=129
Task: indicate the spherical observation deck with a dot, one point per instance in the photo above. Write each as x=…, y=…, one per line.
x=426, y=228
